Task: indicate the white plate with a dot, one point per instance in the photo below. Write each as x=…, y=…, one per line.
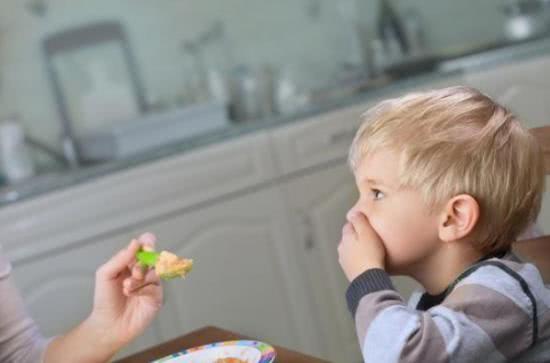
x=249, y=351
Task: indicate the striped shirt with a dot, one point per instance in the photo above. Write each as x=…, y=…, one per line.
x=498, y=310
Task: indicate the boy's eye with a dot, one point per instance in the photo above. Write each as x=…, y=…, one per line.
x=377, y=194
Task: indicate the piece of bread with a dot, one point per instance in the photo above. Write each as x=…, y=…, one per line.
x=169, y=266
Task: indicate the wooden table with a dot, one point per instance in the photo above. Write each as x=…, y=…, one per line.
x=209, y=335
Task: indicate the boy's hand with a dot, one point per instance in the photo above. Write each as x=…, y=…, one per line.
x=360, y=248
x=127, y=298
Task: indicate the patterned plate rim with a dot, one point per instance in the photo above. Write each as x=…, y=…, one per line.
x=267, y=351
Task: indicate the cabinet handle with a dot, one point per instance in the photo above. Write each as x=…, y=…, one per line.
x=309, y=240
x=164, y=296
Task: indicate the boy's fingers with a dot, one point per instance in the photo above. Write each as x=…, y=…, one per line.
x=348, y=229
x=361, y=225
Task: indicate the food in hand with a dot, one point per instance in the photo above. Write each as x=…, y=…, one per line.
x=170, y=266
x=166, y=264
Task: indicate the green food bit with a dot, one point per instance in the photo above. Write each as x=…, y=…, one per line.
x=147, y=258
x=150, y=259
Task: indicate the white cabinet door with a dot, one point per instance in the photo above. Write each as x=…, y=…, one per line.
x=58, y=288
x=75, y=215
x=318, y=203
x=245, y=278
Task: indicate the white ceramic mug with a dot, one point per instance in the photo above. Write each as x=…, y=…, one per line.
x=14, y=156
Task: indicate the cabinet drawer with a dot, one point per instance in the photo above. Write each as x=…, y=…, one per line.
x=318, y=139
x=522, y=87
x=328, y=136
x=126, y=198
x=504, y=75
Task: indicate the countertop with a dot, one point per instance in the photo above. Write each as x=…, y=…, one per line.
x=448, y=66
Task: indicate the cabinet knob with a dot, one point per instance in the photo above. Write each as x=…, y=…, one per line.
x=309, y=243
x=309, y=239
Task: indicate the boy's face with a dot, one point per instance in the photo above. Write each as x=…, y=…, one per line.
x=398, y=215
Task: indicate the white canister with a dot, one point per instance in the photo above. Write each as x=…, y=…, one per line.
x=14, y=157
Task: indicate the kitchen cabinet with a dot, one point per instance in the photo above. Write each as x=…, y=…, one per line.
x=56, y=242
x=327, y=137
x=58, y=288
x=521, y=86
x=317, y=205
x=317, y=140
x=247, y=274
x=70, y=217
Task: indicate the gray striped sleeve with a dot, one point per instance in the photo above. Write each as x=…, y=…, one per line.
x=485, y=318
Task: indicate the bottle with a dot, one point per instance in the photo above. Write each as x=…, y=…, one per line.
x=252, y=92
x=15, y=160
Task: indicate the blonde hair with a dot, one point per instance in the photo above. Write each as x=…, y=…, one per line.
x=458, y=141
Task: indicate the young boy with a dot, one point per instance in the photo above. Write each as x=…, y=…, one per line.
x=447, y=180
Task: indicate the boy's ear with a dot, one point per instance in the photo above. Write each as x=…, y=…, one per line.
x=459, y=218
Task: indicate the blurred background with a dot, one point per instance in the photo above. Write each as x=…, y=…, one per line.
x=71, y=70
x=223, y=127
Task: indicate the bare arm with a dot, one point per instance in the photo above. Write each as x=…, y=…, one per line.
x=20, y=341
x=86, y=343
x=126, y=300
x=122, y=310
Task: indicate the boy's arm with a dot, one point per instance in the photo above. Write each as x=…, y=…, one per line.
x=474, y=322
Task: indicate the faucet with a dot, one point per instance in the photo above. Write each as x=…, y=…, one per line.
x=60, y=158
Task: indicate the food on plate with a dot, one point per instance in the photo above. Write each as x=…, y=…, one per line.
x=230, y=360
